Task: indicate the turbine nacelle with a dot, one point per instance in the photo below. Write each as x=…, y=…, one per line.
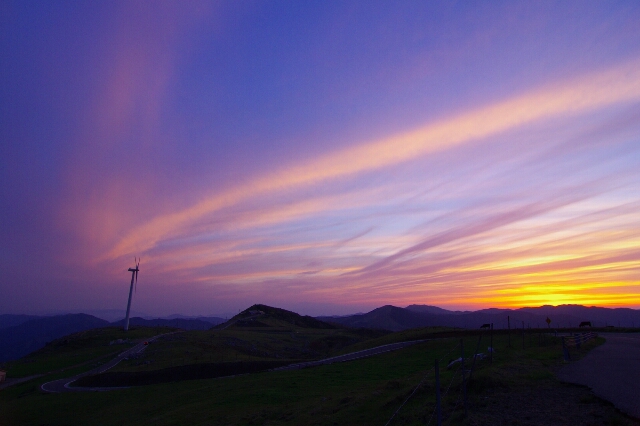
x=135, y=271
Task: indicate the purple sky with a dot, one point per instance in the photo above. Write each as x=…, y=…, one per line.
x=323, y=157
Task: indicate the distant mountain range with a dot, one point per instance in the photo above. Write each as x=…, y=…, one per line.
x=183, y=323
x=28, y=336
x=7, y=320
x=395, y=319
x=23, y=334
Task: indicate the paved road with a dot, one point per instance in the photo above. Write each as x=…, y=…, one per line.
x=350, y=357
x=612, y=371
x=62, y=385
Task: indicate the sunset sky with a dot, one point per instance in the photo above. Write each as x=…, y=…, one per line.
x=326, y=157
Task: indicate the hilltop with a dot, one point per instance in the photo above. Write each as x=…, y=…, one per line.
x=264, y=316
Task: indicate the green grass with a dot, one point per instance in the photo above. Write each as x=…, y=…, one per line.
x=361, y=390
x=78, y=348
x=276, y=342
x=366, y=391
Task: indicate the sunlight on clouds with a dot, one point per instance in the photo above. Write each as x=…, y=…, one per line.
x=581, y=95
x=520, y=237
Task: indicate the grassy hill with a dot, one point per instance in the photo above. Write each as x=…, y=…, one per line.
x=361, y=392
x=268, y=316
x=259, y=338
x=78, y=348
x=519, y=387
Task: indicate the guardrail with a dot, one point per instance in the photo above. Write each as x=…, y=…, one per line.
x=462, y=369
x=574, y=341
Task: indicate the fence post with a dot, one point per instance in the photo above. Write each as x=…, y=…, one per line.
x=438, y=410
x=509, y=329
x=491, y=343
x=565, y=350
x=473, y=364
x=522, y=334
x=539, y=336
x=464, y=383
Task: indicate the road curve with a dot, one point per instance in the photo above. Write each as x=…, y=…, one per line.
x=611, y=370
x=351, y=356
x=62, y=385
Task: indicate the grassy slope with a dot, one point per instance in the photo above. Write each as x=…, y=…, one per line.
x=519, y=386
x=78, y=348
x=274, y=339
x=350, y=392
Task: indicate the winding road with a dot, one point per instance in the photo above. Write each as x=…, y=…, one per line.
x=62, y=385
x=350, y=356
x=611, y=370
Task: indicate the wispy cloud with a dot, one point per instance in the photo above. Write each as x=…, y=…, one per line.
x=617, y=86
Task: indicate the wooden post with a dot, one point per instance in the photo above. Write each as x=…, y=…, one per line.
x=464, y=383
x=522, y=334
x=438, y=410
x=473, y=364
x=565, y=351
x=491, y=343
x=509, y=329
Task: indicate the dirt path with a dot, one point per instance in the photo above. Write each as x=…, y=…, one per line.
x=612, y=371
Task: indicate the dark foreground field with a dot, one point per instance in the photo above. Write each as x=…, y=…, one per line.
x=518, y=388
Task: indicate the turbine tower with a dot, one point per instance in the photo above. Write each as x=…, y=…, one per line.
x=134, y=274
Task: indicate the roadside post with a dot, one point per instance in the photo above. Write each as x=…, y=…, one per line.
x=565, y=351
x=473, y=364
x=491, y=343
x=464, y=383
x=438, y=410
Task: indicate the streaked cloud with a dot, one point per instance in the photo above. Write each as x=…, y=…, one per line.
x=303, y=160
x=620, y=85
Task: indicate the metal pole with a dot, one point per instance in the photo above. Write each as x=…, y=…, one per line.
x=438, y=411
x=126, y=321
x=464, y=383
